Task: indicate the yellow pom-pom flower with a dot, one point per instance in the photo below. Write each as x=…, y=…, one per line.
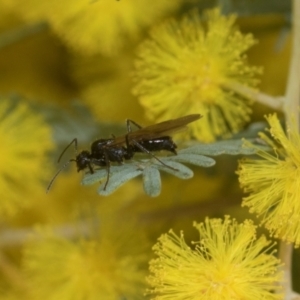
x=25, y=141
x=273, y=182
x=109, y=24
x=108, y=267
x=101, y=26
x=228, y=262
x=116, y=102
x=190, y=66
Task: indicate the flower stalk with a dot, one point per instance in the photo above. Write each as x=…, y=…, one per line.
x=291, y=104
x=251, y=93
x=293, y=85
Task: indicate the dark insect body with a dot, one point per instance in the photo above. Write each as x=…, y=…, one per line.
x=117, y=149
x=159, y=144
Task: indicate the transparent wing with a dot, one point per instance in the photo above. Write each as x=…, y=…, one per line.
x=156, y=130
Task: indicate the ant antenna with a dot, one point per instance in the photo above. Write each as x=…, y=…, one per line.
x=65, y=165
x=73, y=141
x=53, y=178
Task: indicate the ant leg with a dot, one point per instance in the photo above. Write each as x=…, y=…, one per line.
x=143, y=149
x=129, y=130
x=101, y=163
x=128, y=122
x=75, y=145
x=91, y=169
x=107, y=169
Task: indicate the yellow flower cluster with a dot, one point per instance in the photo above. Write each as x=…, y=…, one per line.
x=110, y=266
x=189, y=66
x=26, y=140
x=102, y=26
x=228, y=262
x=273, y=182
x=193, y=65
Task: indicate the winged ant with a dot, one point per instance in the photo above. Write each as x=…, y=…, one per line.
x=117, y=149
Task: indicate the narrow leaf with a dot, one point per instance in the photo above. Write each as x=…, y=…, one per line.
x=151, y=181
x=177, y=169
x=231, y=147
x=119, y=177
x=195, y=159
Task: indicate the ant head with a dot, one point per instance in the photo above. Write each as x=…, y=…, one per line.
x=83, y=160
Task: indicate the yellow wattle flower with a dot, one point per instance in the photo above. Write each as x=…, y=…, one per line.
x=25, y=141
x=109, y=266
x=228, y=262
x=101, y=26
x=273, y=182
x=108, y=97
x=189, y=66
